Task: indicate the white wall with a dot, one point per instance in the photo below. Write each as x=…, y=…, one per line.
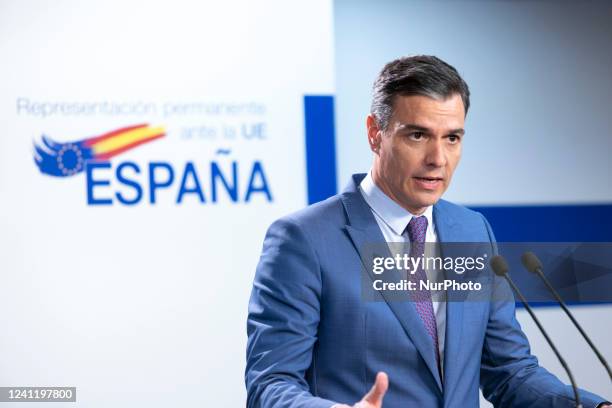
x=539, y=121
x=145, y=305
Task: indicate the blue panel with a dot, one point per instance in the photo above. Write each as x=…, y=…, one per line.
x=567, y=223
x=561, y=223
x=320, y=147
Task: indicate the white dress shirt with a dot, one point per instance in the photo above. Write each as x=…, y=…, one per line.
x=393, y=220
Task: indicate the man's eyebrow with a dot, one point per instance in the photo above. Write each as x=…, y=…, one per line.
x=458, y=131
x=411, y=126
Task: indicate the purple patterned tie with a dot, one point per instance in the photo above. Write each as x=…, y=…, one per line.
x=416, y=232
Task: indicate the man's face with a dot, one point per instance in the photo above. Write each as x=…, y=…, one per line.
x=416, y=155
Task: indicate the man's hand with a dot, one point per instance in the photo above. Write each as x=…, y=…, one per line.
x=374, y=398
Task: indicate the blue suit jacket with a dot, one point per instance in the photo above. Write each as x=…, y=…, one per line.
x=313, y=341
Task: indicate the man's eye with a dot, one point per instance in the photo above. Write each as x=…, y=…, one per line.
x=453, y=139
x=417, y=135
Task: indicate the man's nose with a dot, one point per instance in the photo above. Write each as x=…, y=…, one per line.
x=435, y=155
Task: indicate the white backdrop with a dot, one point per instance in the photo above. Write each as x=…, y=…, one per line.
x=145, y=304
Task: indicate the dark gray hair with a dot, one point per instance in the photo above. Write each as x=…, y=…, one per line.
x=416, y=75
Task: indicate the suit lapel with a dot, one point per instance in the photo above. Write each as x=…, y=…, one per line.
x=366, y=235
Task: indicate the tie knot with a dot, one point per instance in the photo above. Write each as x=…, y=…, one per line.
x=416, y=229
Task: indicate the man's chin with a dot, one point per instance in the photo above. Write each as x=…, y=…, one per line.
x=418, y=206
x=429, y=202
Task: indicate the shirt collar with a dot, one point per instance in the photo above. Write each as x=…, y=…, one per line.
x=393, y=214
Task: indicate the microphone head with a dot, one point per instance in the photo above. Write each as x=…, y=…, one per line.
x=499, y=265
x=531, y=262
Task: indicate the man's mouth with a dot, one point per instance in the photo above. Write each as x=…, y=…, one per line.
x=429, y=183
x=429, y=178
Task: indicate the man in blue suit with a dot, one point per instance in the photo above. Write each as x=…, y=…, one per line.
x=315, y=341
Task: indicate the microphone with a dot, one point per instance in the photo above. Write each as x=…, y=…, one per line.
x=500, y=267
x=532, y=264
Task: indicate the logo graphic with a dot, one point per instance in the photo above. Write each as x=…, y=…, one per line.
x=68, y=159
x=132, y=182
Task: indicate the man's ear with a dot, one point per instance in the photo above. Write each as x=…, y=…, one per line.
x=374, y=133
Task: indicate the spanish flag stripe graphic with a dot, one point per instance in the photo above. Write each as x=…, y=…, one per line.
x=91, y=141
x=109, y=154
x=125, y=139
